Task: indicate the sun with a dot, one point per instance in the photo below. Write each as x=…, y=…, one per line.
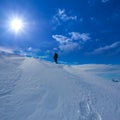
x=16, y=24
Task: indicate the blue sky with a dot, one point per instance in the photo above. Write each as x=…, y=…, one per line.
x=81, y=31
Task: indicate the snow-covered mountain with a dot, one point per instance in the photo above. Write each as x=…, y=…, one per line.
x=32, y=89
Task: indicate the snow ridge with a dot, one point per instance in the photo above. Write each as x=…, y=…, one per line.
x=32, y=89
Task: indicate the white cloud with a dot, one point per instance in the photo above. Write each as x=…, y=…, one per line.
x=71, y=42
x=65, y=43
x=63, y=16
x=6, y=50
x=43, y=57
x=56, y=20
x=107, y=47
x=61, y=12
x=30, y=49
x=61, y=39
x=92, y=18
x=81, y=19
x=77, y=36
x=104, y=1
x=68, y=47
x=55, y=49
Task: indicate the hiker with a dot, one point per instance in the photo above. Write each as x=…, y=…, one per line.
x=55, y=58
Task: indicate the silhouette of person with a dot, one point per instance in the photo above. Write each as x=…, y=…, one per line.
x=55, y=58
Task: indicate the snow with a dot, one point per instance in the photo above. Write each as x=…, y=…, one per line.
x=33, y=89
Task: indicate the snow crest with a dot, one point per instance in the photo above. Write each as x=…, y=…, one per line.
x=32, y=89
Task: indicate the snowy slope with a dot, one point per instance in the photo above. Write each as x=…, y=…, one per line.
x=32, y=89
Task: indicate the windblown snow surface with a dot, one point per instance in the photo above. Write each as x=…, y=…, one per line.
x=33, y=89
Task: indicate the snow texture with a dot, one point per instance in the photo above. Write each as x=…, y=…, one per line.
x=32, y=89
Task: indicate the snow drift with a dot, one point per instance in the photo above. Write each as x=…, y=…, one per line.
x=32, y=89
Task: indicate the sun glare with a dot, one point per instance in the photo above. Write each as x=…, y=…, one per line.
x=16, y=25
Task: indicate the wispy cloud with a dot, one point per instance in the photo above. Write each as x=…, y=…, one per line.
x=62, y=15
x=104, y=1
x=81, y=19
x=65, y=43
x=61, y=39
x=72, y=41
x=78, y=36
x=6, y=50
x=69, y=46
x=106, y=48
